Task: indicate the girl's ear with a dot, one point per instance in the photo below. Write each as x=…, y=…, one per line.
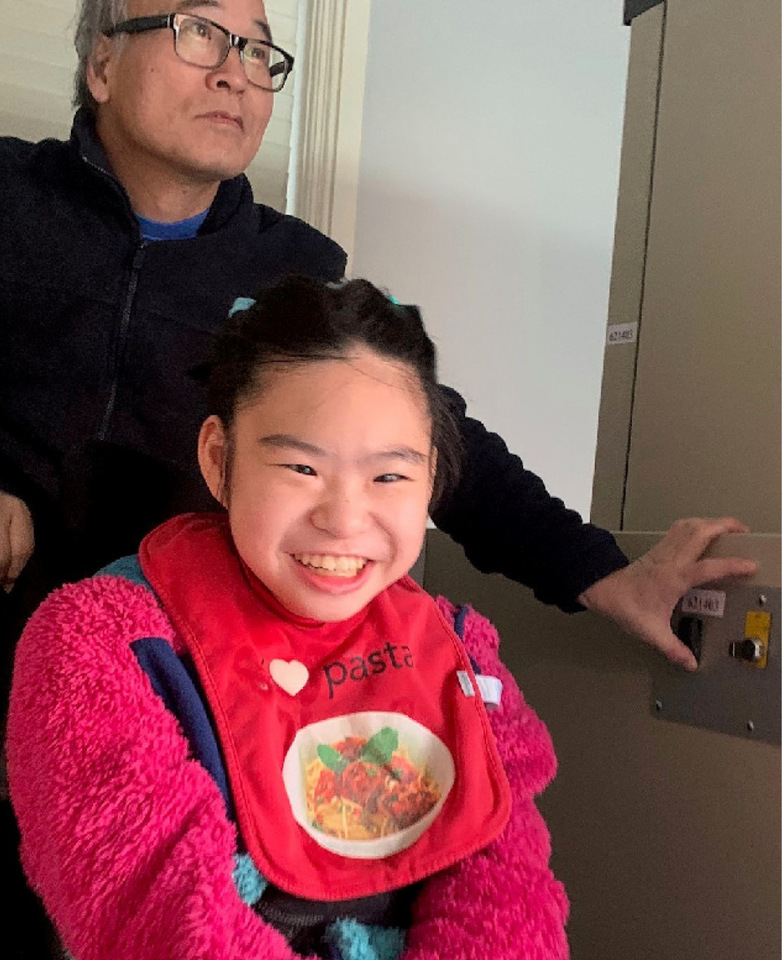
x=213, y=457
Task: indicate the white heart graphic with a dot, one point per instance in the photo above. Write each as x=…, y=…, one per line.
x=291, y=675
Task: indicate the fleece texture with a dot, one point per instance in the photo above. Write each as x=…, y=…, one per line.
x=126, y=838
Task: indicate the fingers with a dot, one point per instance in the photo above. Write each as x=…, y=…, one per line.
x=17, y=540
x=5, y=555
x=690, y=537
x=671, y=647
x=712, y=569
x=21, y=541
x=680, y=655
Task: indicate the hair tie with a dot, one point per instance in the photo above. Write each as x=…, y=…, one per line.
x=241, y=303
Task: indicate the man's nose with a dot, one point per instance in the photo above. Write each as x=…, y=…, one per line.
x=230, y=72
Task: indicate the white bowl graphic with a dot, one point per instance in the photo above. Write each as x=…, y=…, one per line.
x=422, y=748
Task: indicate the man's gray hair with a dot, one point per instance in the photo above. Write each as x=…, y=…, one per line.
x=93, y=19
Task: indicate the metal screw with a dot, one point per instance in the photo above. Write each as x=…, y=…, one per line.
x=658, y=704
x=750, y=726
x=762, y=599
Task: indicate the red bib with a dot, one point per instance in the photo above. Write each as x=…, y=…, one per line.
x=357, y=764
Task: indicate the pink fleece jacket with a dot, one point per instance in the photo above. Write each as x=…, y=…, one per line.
x=125, y=837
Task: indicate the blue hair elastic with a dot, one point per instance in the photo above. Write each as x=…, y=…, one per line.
x=241, y=303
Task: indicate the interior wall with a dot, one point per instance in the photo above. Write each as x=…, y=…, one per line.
x=487, y=194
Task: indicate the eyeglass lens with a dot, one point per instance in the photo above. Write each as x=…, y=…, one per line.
x=203, y=44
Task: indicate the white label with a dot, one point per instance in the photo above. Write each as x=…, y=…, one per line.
x=490, y=689
x=708, y=603
x=465, y=683
x=622, y=333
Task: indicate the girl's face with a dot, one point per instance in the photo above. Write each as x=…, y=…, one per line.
x=330, y=473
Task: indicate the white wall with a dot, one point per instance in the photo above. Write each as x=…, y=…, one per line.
x=487, y=194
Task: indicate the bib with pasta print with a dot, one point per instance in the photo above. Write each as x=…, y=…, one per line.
x=357, y=762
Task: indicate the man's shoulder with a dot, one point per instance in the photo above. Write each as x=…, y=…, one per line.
x=15, y=148
x=15, y=151
x=299, y=241
x=24, y=158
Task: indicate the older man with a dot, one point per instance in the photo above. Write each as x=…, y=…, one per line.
x=121, y=252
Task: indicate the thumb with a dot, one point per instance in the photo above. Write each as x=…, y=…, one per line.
x=666, y=641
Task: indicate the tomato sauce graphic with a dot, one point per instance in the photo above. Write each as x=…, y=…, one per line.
x=364, y=789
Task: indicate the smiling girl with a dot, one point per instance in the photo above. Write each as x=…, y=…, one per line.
x=260, y=738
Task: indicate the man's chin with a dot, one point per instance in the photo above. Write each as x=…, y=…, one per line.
x=216, y=173
x=212, y=169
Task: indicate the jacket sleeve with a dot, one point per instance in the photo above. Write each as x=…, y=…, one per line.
x=507, y=522
x=502, y=902
x=124, y=836
x=14, y=482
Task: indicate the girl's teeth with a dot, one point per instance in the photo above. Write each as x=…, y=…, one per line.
x=338, y=566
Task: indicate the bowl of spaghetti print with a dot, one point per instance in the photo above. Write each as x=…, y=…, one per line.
x=367, y=785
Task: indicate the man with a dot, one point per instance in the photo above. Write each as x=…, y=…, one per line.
x=104, y=314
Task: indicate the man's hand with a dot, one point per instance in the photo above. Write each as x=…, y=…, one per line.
x=641, y=597
x=17, y=540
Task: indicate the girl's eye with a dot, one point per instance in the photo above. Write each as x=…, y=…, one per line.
x=389, y=478
x=301, y=468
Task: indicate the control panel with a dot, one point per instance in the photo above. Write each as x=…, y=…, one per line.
x=734, y=634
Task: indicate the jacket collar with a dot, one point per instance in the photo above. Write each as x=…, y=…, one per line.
x=232, y=195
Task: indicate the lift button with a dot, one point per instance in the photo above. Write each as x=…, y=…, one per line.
x=750, y=650
x=753, y=649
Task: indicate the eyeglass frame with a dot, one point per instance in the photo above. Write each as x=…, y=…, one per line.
x=136, y=25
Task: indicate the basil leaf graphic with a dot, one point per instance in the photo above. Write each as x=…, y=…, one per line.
x=380, y=747
x=332, y=758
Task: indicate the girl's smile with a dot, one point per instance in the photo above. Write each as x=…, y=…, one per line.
x=340, y=579
x=332, y=566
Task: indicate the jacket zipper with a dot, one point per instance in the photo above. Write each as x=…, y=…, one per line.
x=138, y=256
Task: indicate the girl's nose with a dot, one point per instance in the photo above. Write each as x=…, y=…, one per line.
x=341, y=514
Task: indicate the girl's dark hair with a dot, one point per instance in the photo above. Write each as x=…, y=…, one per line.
x=298, y=320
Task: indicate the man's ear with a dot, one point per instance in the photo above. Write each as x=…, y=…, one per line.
x=214, y=451
x=98, y=68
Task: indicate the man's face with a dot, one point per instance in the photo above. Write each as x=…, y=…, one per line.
x=157, y=111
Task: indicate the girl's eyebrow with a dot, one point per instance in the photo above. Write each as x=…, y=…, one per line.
x=289, y=442
x=400, y=453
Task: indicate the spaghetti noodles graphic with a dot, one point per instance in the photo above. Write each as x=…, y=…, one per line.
x=367, y=785
x=360, y=788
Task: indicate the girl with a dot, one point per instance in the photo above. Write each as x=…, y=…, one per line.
x=259, y=738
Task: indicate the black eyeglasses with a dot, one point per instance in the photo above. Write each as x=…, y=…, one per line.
x=204, y=43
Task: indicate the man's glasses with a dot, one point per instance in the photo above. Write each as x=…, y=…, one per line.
x=206, y=44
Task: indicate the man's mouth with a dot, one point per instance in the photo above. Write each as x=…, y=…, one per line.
x=331, y=565
x=221, y=117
